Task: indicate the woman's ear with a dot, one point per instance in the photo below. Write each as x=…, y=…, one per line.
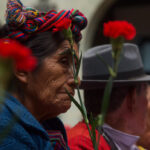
x=21, y=75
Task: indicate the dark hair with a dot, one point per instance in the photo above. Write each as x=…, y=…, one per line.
x=93, y=98
x=42, y=44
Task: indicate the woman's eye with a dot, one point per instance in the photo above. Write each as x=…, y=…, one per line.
x=65, y=61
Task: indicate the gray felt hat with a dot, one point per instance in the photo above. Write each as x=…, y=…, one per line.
x=130, y=70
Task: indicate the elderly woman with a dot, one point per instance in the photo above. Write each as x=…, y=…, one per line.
x=36, y=98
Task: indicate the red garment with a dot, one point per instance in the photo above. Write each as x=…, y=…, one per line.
x=79, y=139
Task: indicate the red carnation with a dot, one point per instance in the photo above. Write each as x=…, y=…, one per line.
x=27, y=64
x=114, y=29
x=20, y=54
x=62, y=24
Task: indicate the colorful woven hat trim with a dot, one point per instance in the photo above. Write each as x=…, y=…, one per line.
x=54, y=20
x=27, y=20
x=57, y=140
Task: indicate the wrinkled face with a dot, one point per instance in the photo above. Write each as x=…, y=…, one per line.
x=46, y=89
x=141, y=109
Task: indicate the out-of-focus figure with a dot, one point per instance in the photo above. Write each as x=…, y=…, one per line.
x=145, y=138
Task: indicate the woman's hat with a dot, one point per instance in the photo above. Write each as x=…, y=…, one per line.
x=95, y=72
x=26, y=21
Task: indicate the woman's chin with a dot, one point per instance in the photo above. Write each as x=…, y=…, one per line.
x=65, y=107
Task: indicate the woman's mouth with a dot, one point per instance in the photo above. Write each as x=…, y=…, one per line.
x=70, y=92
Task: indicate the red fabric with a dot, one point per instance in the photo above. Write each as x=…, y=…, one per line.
x=79, y=139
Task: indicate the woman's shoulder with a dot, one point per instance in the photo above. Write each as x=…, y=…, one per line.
x=19, y=128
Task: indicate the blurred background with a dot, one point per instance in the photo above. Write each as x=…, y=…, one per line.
x=98, y=12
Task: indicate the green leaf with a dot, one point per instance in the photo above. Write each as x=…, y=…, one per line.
x=117, y=43
x=78, y=66
x=74, y=67
x=106, y=97
x=5, y=72
x=92, y=131
x=111, y=72
x=98, y=120
x=68, y=35
x=82, y=105
x=76, y=57
x=74, y=101
x=93, y=125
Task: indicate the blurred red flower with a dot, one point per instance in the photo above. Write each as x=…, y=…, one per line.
x=114, y=29
x=62, y=24
x=20, y=54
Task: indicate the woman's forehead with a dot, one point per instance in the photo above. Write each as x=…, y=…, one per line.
x=66, y=45
x=64, y=49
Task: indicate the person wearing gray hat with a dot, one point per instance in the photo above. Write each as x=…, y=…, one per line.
x=126, y=116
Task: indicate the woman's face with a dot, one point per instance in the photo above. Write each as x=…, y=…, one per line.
x=46, y=89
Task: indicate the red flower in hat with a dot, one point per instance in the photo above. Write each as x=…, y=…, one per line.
x=62, y=24
x=20, y=54
x=114, y=29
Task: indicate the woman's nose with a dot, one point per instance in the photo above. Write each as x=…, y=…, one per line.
x=73, y=83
